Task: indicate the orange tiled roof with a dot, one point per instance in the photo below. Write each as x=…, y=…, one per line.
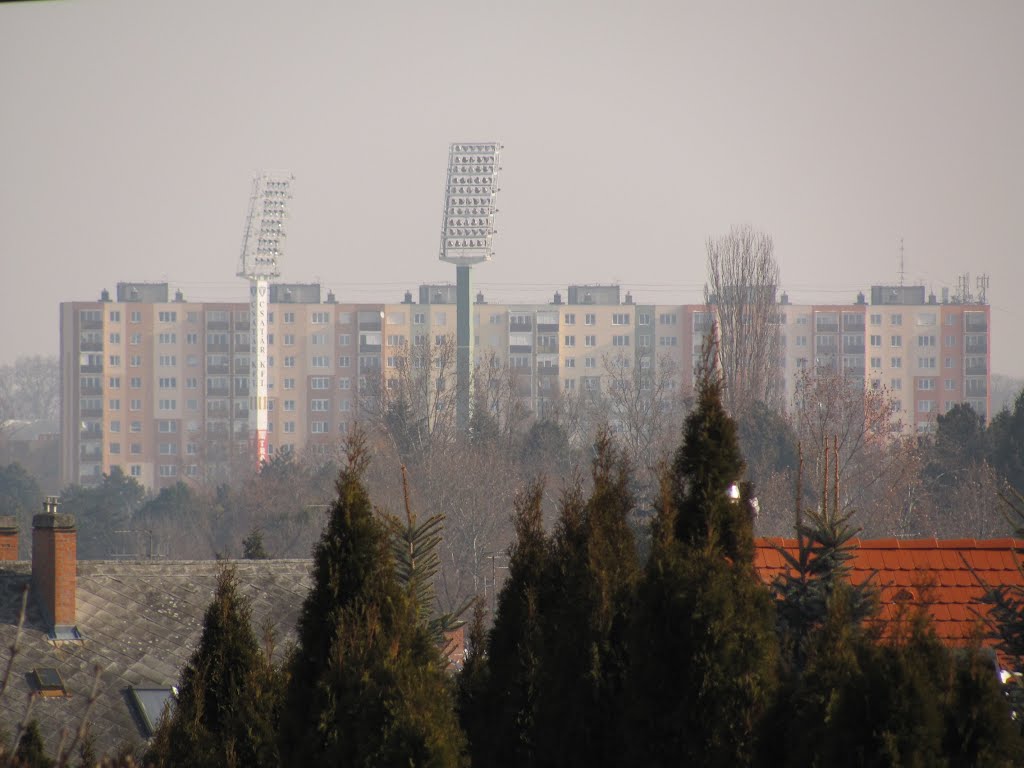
x=930, y=572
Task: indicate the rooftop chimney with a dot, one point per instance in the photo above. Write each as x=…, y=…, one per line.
x=558, y=298
x=104, y=295
x=408, y=298
x=179, y=297
x=331, y=298
x=55, y=566
x=629, y=297
x=8, y=537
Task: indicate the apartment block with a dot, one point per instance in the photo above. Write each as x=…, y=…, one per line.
x=159, y=386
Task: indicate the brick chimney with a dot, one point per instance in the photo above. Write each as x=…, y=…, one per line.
x=55, y=564
x=8, y=537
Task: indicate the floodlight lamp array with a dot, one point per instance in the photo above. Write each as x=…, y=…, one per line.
x=470, y=196
x=265, y=235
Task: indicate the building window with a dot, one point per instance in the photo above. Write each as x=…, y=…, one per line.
x=168, y=449
x=319, y=405
x=289, y=383
x=115, y=448
x=115, y=338
x=167, y=317
x=589, y=362
x=135, y=382
x=570, y=362
x=289, y=405
x=344, y=361
x=644, y=341
x=319, y=382
x=590, y=318
x=570, y=318
x=321, y=361
x=289, y=427
x=440, y=318
x=320, y=318
x=135, y=405
x=345, y=383
x=135, y=449
x=115, y=316
x=168, y=382
x=319, y=427
x=590, y=341
x=419, y=318
x=950, y=385
x=135, y=361
x=876, y=340
x=114, y=382
x=289, y=361
x=672, y=341
x=135, y=470
x=896, y=341
x=926, y=384
x=896, y=362
x=643, y=318
x=168, y=470
x=620, y=318
x=896, y=385
x=876, y=362
x=289, y=340
x=289, y=317
x=620, y=341
x=570, y=341
x=168, y=405
x=926, y=341
x=115, y=425
x=167, y=427
x=925, y=406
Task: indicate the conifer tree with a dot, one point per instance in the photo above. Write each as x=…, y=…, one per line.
x=703, y=647
x=472, y=689
x=368, y=685
x=515, y=645
x=31, y=752
x=585, y=608
x=229, y=695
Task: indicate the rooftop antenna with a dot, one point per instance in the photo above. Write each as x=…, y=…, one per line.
x=982, y=282
x=901, y=263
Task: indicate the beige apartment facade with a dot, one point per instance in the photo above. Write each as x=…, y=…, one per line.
x=159, y=386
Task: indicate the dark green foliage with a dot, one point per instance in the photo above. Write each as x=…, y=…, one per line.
x=252, y=546
x=101, y=511
x=472, y=688
x=515, y=647
x=585, y=604
x=1007, y=440
x=706, y=465
x=415, y=548
x=367, y=685
x=20, y=496
x=483, y=425
x=546, y=448
x=768, y=441
x=229, y=695
x=31, y=752
x=819, y=568
x=703, y=644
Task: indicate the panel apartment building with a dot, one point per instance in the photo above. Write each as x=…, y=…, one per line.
x=159, y=386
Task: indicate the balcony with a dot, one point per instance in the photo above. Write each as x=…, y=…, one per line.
x=217, y=325
x=826, y=327
x=976, y=370
x=90, y=434
x=977, y=347
x=547, y=370
x=853, y=349
x=222, y=369
x=91, y=413
x=975, y=322
x=218, y=391
x=90, y=368
x=92, y=325
x=90, y=346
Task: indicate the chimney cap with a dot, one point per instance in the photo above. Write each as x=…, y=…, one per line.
x=8, y=524
x=53, y=520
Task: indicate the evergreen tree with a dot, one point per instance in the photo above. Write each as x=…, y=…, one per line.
x=472, y=689
x=584, y=610
x=252, y=546
x=703, y=645
x=228, y=698
x=515, y=646
x=31, y=752
x=368, y=685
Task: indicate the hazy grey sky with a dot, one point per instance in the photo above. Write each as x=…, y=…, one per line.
x=632, y=131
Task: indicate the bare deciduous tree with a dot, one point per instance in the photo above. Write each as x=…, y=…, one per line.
x=30, y=389
x=878, y=463
x=742, y=279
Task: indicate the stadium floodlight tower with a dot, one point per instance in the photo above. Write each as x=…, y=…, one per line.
x=262, y=246
x=466, y=235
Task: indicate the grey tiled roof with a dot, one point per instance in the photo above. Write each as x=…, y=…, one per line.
x=140, y=621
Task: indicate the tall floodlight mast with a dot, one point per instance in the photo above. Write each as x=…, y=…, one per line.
x=262, y=246
x=466, y=234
